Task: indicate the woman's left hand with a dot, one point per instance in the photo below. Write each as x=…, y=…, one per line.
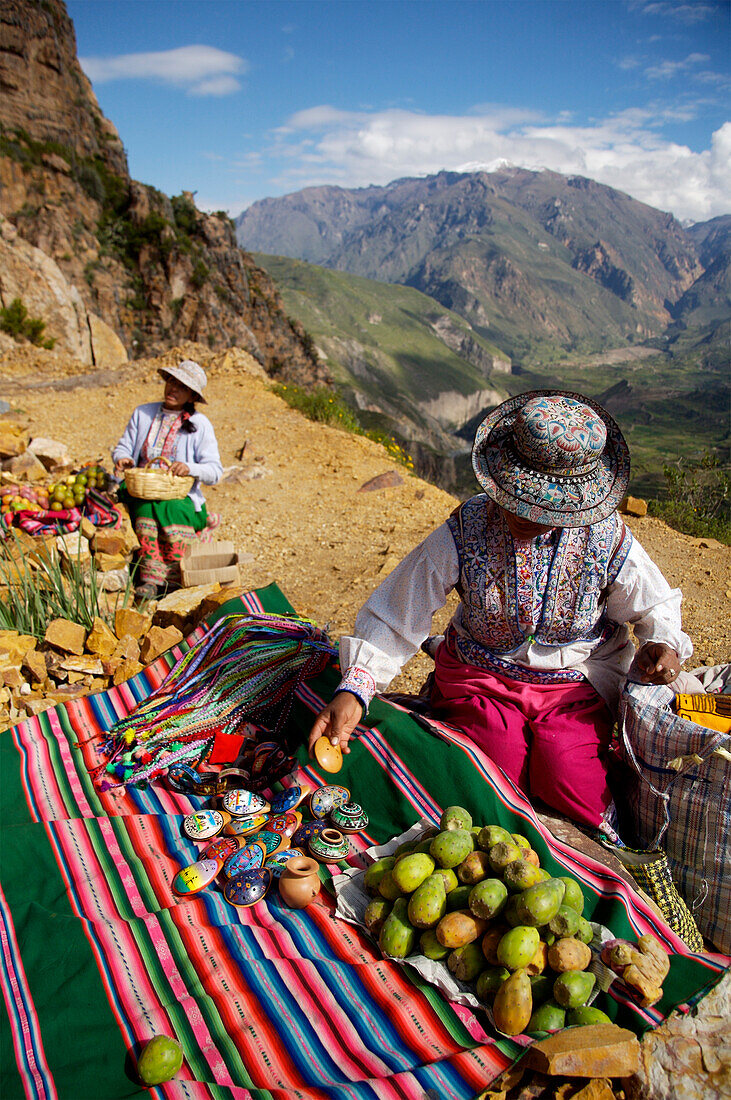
x=657, y=663
x=180, y=469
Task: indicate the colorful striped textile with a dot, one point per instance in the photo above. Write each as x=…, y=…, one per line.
x=98, y=954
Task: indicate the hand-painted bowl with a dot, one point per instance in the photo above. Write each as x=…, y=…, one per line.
x=324, y=800
x=329, y=846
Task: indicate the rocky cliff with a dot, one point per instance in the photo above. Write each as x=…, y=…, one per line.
x=153, y=268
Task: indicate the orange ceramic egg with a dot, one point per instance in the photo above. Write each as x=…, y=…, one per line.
x=328, y=756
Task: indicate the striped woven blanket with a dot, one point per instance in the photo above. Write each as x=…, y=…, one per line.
x=98, y=954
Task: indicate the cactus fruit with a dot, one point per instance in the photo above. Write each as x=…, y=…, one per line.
x=587, y=1014
x=547, y=1017
x=520, y=840
x=451, y=846
x=491, y=835
x=376, y=912
x=430, y=946
x=467, y=962
x=459, y=898
x=387, y=887
x=585, y=932
x=568, y=954
x=460, y=927
x=517, y=947
x=397, y=937
x=490, y=942
x=565, y=922
x=510, y=912
x=513, y=1004
x=375, y=873
x=487, y=898
x=503, y=853
x=456, y=817
x=451, y=882
x=409, y=872
x=428, y=903
x=474, y=869
x=573, y=988
x=539, y=962
x=489, y=981
x=542, y=987
x=520, y=874
x=538, y=904
x=574, y=895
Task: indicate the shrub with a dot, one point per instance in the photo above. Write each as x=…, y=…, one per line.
x=698, y=500
x=15, y=321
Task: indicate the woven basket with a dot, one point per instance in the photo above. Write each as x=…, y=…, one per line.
x=144, y=483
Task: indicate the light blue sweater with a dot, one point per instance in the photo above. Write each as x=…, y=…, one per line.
x=198, y=449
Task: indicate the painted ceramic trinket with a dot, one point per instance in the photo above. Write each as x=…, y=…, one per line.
x=324, y=800
x=250, y=858
x=287, y=823
x=244, y=826
x=272, y=842
x=329, y=846
x=299, y=882
x=279, y=860
x=286, y=800
x=247, y=888
x=196, y=876
x=349, y=818
x=221, y=848
x=306, y=831
x=243, y=803
x=328, y=756
x=203, y=824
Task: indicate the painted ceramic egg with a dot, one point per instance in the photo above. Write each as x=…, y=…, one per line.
x=272, y=842
x=286, y=823
x=349, y=818
x=247, y=888
x=249, y=858
x=242, y=803
x=327, y=755
x=203, y=824
x=196, y=876
x=244, y=826
x=324, y=800
x=286, y=800
x=329, y=846
x=221, y=848
x=279, y=860
x=302, y=837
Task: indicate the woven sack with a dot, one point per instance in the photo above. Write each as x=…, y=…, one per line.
x=651, y=872
x=678, y=795
x=145, y=483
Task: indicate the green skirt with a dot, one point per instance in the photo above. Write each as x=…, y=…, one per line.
x=165, y=529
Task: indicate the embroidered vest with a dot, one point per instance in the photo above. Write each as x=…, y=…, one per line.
x=548, y=590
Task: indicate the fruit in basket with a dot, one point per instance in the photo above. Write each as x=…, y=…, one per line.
x=517, y=947
x=474, y=868
x=455, y=817
x=574, y=895
x=490, y=835
x=573, y=988
x=568, y=954
x=459, y=927
x=513, y=1004
x=451, y=846
x=521, y=873
x=503, y=853
x=489, y=981
x=375, y=873
x=409, y=873
x=587, y=1014
x=488, y=898
x=547, y=1017
x=428, y=903
x=538, y=904
x=565, y=922
x=398, y=936
x=430, y=946
x=376, y=912
x=467, y=962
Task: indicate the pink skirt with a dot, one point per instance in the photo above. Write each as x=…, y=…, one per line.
x=552, y=740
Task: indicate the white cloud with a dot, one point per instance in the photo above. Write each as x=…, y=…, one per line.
x=696, y=12
x=198, y=70
x=326, y=145
x=667, y=70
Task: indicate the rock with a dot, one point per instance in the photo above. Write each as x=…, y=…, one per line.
x=34, y=664
x=101, y=641
x=27, y=467
x=216, y=599
x=110, y=541
x=131, y=542
x=13, y=439
x=12, y=677
x=182, y=608
x=67, y=636
x=107, y=349
x=127, y=620
x=65, y=693
x=382, y=481
x=86, y=666
x=633, y=506
x=114, y=580
x=110, y=563
x=49, y=452
x=16, y=645
x=37, y=704
x=125, y=670
x=127, y=650
x=159, y=640
x=74, y=548
x=599, y=1089
x=596, y=1050
x=87, y=528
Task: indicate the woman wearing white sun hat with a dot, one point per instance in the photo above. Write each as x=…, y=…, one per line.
x=549, y=580
x=175, y=430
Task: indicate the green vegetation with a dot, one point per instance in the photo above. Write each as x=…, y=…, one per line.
x=15, y=321
x=698, y=498
x=40, y=590
x=327, y=407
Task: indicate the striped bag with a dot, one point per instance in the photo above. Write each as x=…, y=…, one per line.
x=678, y=797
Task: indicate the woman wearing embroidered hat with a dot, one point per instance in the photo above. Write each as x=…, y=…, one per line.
x=532, y=662
x=174, y=430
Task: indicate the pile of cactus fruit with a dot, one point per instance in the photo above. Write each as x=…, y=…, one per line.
x=477, y=899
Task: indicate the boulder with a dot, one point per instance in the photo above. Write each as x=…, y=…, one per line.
x=125, y=670
x=113, y=580
x=108, y=540
x=127, y=620
x=633, y=506
x=27, y=467
x=107, y=349
x=110, y=563
x=50, y=453
x=34, y=665
x=74, y=549
x=13, y=439
x=101, y=641
x=67, y=636
x=595, y=1050
x=159, y=640
x=183, y=608
x=84, y=666
x=16, y=645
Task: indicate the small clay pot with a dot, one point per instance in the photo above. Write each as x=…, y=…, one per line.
x=299, y=882
x=329, y=846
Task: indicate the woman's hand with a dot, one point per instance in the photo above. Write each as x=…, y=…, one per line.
x=657, y=663
x=123, y=464
x=337, y=721
x=179, y=469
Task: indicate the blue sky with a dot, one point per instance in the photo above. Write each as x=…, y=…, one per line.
x=238, y=100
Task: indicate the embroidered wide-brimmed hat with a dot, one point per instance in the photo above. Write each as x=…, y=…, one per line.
x=553, y=458
x=191, y=374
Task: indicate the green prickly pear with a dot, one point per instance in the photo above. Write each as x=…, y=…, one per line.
x=456, y=817
x=430, y=946
x=520, y=874
x=474, y=868
x=587, y=1014
x=398, y=936
x=574, y=895
x=573, y=988
x=517, y=947
x=376, y=912
x=510, y=912
x=428, y=903
x=502, y=854
x=375, y=873
x=459, y=898
x=422, y=846
x=451, y=846
x=451, y=882
x=387, y=887
x=412, y=870
x=565, y=922
x=584, y=932
x=490, y=835
x=404, y=849
x=513, y=1004
x=542, y=986
x=467, y=962
x=520, y=840
x=489, y=981
x=547, y=1017
x=487, y=898
x=538, y=904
